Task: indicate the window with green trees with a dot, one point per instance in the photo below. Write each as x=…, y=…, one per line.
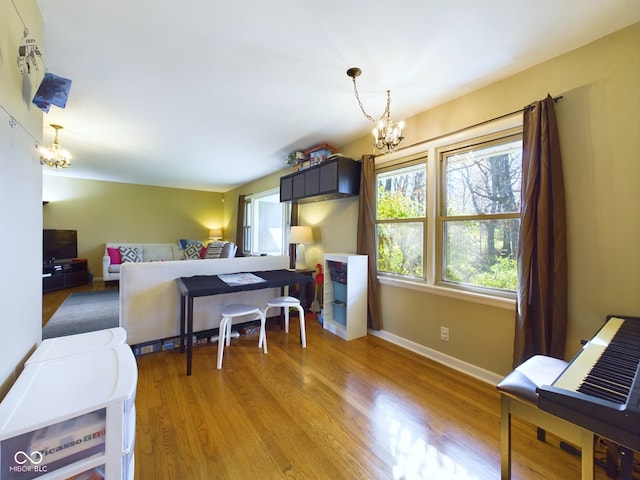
x=448, y=212
x=480, y=213
x=401, y=219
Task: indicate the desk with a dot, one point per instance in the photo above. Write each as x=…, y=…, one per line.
x=206, y=285
x=304, y=292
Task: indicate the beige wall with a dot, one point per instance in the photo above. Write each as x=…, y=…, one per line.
x=104, y=212
x=599, y=124
x=20, y=196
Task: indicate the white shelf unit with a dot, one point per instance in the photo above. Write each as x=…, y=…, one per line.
x=345, y=295
x=72, y=414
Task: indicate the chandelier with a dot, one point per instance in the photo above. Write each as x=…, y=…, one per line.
x=54, y=156
x=386, y=132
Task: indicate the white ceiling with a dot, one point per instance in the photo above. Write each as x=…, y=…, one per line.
x=211, y=94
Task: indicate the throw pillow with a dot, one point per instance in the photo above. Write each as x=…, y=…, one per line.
x=214, y=249
x=130, y=254
x=114, y=256
x=229, y=250
x=192, y=251
x=183, y=242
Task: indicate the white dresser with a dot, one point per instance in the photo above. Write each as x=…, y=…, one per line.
x=72, y=411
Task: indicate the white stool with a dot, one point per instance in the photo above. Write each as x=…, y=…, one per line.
x=229, y=312
x=519, y=397
x=286, y=303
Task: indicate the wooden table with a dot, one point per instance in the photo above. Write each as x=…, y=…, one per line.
x=207, y=285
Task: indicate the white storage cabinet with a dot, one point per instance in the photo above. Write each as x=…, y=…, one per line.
x=345, y=294
x=72, y=414
x=78, y=344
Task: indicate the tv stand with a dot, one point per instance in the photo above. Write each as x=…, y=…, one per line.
x=64, y=274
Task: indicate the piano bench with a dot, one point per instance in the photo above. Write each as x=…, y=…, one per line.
x=519, y=397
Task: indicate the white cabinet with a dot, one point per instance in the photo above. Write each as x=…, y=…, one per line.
x=66, y=415
x=70, y=345
x=345, y=294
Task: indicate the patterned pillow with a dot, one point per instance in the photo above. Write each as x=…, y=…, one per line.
x=130, y=254
x=214, y=249
x=183, y=242
x=192, y=251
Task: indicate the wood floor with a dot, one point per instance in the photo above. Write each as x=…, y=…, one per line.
x=363, y=409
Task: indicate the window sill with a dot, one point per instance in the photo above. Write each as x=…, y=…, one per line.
x=493, y=301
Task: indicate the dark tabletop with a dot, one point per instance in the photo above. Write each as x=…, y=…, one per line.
x=204, y=285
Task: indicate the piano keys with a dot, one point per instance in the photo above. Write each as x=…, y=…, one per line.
x=600, y=388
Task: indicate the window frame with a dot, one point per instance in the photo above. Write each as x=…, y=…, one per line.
x=497, y=138
x=505, y=125
x=405, y=162
x=249, y=220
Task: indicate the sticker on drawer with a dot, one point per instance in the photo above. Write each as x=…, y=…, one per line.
x=44, y=450
x=71, y=436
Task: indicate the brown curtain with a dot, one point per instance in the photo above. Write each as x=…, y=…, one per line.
x=366, y=243
x=541, y=310
x=292, y=247
x=240, y=227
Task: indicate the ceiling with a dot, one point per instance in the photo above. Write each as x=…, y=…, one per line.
x=209, y=95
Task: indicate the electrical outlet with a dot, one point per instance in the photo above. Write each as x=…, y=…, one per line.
x=444, y=334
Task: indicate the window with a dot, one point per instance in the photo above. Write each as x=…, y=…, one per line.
x=453, y=222
x=401, y=218
x=480, y=213
x=266, y=223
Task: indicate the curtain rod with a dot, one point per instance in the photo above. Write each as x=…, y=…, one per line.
x=479, y=124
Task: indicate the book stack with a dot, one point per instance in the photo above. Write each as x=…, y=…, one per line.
x=315, y=155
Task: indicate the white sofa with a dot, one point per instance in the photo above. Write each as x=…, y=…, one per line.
x=151, y=252
x=150, y=299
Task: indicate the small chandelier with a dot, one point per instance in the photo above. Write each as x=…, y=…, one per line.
x=54, y=156
x=387, y=133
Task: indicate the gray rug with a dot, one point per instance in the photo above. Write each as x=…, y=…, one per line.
x=84, y=312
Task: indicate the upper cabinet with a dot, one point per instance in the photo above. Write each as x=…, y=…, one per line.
x=334, y=178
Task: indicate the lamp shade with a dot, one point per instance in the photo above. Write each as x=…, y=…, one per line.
x=300, y=234
x=215, y=233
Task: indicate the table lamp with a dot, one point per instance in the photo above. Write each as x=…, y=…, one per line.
x=300, y=235
x=215, y=234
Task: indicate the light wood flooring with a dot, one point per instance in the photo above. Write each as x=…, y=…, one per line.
x=364, y=409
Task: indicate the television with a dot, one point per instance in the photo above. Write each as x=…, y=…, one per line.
x=59, y=245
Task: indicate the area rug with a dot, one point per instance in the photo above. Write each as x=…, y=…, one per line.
x=84, y=312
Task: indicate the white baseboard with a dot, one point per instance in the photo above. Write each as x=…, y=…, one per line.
x=452, y=362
